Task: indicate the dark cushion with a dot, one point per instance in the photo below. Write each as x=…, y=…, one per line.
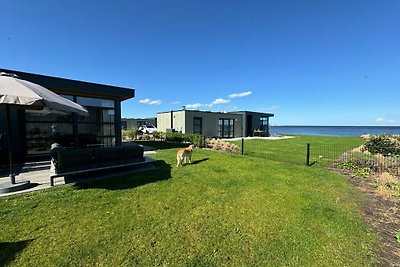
x=132, y=153
x=69, y=160
x=107, y=155
x=74, y=159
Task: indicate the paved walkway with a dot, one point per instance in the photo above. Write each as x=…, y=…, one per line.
x=40, y=179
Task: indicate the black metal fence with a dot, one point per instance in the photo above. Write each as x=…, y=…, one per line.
x=330, y=155
x=291, y=151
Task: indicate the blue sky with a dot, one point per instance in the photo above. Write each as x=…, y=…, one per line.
x=310, y=62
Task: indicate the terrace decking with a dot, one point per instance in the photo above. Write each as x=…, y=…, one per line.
x=38, y=175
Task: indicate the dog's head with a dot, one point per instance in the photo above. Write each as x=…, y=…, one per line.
x=190, y=147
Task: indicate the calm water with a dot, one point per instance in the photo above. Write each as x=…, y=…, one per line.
x=335, y=130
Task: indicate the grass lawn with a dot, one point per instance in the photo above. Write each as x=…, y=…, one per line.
x=293, y=151
x=223, y=210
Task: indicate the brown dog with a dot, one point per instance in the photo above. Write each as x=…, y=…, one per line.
x=184, y=155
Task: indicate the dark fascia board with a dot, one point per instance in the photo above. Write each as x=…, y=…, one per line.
x=195, y=111
x=252, y=112
x=233, y=112
x=74, y=87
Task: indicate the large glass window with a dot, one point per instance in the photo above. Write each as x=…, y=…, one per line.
x=225, y=128
x=98, y=127
x=198, y=125
x=44, y=128
x=264, y=124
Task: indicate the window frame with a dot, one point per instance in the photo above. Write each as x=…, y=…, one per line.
x=222, y=133
x=200, y=125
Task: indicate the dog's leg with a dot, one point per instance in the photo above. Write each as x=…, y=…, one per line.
x=178, y=161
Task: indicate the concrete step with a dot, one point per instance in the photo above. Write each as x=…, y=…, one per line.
x=36, y=166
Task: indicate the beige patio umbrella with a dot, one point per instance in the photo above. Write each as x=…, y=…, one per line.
x=15, y=92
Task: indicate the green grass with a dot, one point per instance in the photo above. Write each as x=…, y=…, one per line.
x=223, y=210
x=323, y=149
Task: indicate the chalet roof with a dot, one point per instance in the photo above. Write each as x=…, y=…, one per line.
x=74, y=87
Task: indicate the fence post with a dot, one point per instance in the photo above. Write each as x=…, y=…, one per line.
x=308, y=155
x=242, y=146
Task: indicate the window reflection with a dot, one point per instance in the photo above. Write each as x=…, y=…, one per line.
x=98, y=115
x=69, y=97
x=100, y=130
x=264, y=123
x=95, y=102
x=226, y=128
x=98, y=127
x=44, y=127
x=47, y=116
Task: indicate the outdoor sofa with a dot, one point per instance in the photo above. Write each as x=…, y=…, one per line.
x=78, y=161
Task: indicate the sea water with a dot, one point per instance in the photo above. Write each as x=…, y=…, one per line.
x=335, y=130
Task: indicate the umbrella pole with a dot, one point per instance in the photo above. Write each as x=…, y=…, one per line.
x=8, y=131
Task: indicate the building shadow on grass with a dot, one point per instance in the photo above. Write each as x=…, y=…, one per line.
x=127, y=179
x=10, y=250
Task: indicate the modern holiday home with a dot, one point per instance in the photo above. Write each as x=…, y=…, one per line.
x=35, y=131
x=216, y=124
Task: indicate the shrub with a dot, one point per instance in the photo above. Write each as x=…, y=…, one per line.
x=159, y=135
x=387, y=145
x=360, y=172
x=145, y=137
x=195, y=139
x=129, y=135
x=361, y=160
x=175, y=137
x=379, y=153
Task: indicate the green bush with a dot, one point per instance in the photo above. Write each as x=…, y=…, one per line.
x=386, y=145
x=129, y=134
x=145, y=137
x=175, y=137
x=364, y=161
x=360, y=172
x=159, y=135
x=195, y=139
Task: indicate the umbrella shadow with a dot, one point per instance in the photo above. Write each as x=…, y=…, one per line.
x=10, y=250
x=126, y=180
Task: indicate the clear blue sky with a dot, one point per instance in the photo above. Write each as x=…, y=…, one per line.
x=310, y=62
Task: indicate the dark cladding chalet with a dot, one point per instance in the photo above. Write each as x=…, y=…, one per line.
x=34, y=132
